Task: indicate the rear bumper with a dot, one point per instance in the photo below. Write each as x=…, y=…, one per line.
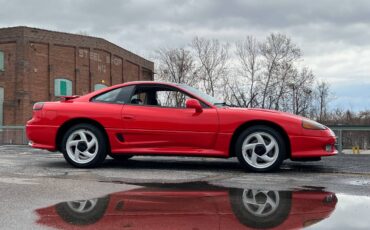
x=42, y=136
x=312, y=147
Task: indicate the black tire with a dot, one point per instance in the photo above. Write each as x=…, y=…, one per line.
x=102, y=146
x=269, y=131
x=72, y=216
x=120, y=157
x=249, y=219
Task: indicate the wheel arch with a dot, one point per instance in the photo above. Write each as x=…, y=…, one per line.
x=249, y=124
x=68, y=124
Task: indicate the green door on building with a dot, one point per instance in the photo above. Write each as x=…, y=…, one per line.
x=62, y=87
x=2, y=61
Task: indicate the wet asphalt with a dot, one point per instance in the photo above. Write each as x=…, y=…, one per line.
x=34, y=179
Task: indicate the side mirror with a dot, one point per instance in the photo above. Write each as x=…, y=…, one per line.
x=194, y=104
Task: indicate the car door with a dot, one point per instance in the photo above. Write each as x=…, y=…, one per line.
x=154, y=120
x=106, y=108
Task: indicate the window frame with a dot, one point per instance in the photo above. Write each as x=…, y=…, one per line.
x=127, y=96
x=2, y=89
x=2, y=65
x=202, y=103
x=68, y=82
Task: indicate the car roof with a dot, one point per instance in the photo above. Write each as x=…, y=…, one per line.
x=148, y=82
x=94, y=93
x=87, y=97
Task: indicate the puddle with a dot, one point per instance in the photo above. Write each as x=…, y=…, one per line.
x=196, y=206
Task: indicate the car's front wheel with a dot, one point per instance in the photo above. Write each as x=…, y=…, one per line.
x=260, y=148
x=84, y=146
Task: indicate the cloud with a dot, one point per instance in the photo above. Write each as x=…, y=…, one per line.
x=334, y=36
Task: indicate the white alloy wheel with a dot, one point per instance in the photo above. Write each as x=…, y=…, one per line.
x=82, y=146
x=82, y=206
x=261, y=203
x=260, y=150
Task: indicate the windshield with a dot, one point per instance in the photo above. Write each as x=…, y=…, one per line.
x=203, y=95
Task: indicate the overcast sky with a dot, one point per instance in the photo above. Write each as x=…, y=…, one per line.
x=334, y=35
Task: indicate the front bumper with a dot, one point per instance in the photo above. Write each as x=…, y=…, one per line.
x=313, y=146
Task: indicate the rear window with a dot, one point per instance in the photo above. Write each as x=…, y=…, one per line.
x=119, y=95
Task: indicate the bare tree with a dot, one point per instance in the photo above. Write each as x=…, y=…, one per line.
x=277, y=51
x=269, y=76
x=302, y=91
x=286, y=74
x=264, y=74
x=176, y=65
x=322, y=97
x=234, y=92
x=212, y=57
x=247, y=53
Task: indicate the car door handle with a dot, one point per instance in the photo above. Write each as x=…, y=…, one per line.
x=128, y=117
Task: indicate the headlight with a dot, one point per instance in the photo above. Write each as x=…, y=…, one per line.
x=308, y=124
x=332, y=133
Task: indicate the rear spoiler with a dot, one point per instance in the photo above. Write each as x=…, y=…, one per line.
x=67, y=98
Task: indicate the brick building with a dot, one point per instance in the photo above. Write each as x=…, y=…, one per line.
x=41, y=65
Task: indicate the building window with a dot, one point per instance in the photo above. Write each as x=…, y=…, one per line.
x=1, y=105
x=99, y=86
x=62, y=87
x=2, y=60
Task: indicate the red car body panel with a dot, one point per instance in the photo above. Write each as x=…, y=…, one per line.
x=150, y=208
x=165, y=131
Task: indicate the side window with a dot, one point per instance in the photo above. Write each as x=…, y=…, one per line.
x=159, y=96
x=139, y=98
x=174, y=99
x=119, y=95
x=62, y=87
x=99, y=86
x=2, y=61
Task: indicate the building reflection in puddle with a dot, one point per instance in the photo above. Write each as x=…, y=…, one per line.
x=192, y=206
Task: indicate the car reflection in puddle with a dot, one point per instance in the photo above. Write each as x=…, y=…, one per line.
x=192, y=207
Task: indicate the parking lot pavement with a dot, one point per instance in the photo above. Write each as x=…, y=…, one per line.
x=30, y=179
x=341, y=170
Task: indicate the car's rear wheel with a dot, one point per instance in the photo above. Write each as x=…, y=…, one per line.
x=260, y=149
x=120, y=157
x=84, y=146
x=83, y=212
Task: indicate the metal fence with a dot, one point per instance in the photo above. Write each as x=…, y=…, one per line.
x=341, y=131
x=13, y=135
x=16, y=135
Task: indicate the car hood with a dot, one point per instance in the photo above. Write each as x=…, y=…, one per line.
x=267, y=111
x=234, y=117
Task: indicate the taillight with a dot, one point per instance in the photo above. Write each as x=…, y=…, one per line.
x=38, y=106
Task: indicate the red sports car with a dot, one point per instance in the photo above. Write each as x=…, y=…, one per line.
x=153, y=118
x=192, y=208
